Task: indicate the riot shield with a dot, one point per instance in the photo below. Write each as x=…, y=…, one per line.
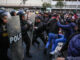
x=32, y=17
x=31, y=20
x=15, y=38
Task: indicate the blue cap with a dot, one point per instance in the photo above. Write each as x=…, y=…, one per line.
x=1, y=11
x=21, y=12
x=12, y=11
x=4, y=14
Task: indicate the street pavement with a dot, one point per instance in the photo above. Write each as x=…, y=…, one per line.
x=37, y=53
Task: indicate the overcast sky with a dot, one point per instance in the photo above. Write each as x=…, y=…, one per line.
x=29, y=2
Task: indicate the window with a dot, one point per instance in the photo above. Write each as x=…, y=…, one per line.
x=70, y=0
x=57, y=0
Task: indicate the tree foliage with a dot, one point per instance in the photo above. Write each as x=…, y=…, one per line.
x=24, y=1
x=60, y=4
x=46, y=5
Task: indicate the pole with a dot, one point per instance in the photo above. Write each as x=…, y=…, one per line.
x=6, y=2
x=77, y=5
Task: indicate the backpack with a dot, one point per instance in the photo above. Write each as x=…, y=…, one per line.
x=73, y=46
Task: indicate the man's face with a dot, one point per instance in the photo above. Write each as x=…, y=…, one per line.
x=70, y=16
x=38, y=20
x=14, y=14
x=39, y=14
x=23, y=17
x=4, y=19
x=46, y=15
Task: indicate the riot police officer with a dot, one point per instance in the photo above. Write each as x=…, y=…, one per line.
x=4, y=41
x=13, y=13
x=25, y=26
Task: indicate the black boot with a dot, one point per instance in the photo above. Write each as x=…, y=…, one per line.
x=28, y=55
x=60, y=54
x=45, y=51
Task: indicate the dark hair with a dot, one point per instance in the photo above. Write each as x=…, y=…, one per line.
x=68, y=20
x=54, y=15
x=12, y=13
x=20, y=16
x=37, y=17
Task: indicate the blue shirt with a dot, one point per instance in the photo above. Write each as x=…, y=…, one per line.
x=69, y=28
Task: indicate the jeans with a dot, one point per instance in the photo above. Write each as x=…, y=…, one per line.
x=55, y=39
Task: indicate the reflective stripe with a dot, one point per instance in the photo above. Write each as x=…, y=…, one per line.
x=5, y=34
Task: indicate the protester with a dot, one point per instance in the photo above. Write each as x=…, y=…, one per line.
x=38, y=32
x=69, y=29
x=74, y=47
x=55, y=39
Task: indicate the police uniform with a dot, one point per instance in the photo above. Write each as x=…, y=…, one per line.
x=24, y=28
x=4, y=41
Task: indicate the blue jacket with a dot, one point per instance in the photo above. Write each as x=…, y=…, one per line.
x=74, y=46
x=69, y=28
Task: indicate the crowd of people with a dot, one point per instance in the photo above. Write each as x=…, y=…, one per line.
x=51, y=27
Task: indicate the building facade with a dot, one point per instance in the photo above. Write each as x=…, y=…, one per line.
x=20, y=2
x=68, y=4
